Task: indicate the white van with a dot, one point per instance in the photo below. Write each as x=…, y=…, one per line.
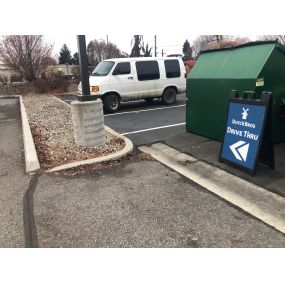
x=126, y=79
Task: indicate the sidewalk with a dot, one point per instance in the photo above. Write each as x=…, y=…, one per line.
x=208, y=150
x=13, y=181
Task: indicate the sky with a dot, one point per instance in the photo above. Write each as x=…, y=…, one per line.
x=172, y=21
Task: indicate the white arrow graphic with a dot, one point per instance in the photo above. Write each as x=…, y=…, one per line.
x=243, y=151
x=240, y=150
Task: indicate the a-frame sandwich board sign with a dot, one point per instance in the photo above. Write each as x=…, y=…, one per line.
x=248, y=132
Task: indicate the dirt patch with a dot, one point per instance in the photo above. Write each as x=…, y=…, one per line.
x=84, y=169
x=51, y=125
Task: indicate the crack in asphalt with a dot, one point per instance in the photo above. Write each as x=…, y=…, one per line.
x=30, y=230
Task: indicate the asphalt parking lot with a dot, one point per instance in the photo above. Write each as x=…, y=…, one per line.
x=136, y=203
x=146, y=123
x=139, y=204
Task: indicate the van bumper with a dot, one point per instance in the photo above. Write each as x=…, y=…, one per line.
x=91, y=94
x=90, y=97
x=181, y=90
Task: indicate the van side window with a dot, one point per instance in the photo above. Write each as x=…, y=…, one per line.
x=122, y=68
x=172, y=68
x=147, y=70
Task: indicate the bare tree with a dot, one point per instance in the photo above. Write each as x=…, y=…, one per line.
x=28, y=55
x=230, y=43
x=206, y=42
x=280, y=38
x=75, y=71
x=91, y=54
x=100, y=50
x=4, y=79
x=147, y=51
x=202, y=43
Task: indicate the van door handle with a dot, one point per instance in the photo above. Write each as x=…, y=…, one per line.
x=130, y=77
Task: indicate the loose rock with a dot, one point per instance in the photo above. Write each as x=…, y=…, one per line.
x=51, y=125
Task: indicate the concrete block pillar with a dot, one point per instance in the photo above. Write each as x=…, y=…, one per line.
x=88, y=123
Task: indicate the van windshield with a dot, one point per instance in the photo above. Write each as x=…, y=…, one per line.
x=103, y=68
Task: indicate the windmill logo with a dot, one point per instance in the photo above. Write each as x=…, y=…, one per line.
x=244, y=113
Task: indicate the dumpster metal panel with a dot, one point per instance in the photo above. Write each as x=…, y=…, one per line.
x=206, y=111
x=273, y=75
x=256, y=66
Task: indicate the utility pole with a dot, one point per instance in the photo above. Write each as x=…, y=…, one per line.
x=155, y=52
x=87, y=117
x=162, y=53
x=108, y=50
x=83, y=67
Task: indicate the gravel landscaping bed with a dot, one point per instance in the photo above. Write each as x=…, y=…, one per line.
x=51, y=125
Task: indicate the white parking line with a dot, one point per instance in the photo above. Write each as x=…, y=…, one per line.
x=151, y=129
x=144, y=110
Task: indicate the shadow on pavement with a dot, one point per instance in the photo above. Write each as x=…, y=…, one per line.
x=208, y=151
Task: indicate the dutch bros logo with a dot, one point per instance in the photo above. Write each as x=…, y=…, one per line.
x=244, y=113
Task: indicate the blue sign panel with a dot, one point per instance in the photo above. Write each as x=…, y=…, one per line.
x=243, y=134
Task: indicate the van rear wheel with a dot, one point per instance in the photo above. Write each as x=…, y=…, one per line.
x=111, y=103
x=169, y=96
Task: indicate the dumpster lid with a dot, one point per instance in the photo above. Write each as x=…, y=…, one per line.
x=256, y=43
x=238, y=62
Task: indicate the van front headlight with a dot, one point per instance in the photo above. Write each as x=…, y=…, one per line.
x=94, y=88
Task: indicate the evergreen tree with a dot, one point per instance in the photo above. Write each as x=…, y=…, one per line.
x=187, y=51
x=65, y=55
x=75, y=59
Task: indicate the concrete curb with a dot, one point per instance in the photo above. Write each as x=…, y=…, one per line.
x=114, y=156
x=31, y=157
x=66, y=93
x=9, y=96
x=258, y=202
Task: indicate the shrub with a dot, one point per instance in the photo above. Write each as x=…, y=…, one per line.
x=76, y=74
x=41, y=85
x=17, y=89
x=4, y=79
x=57, y=81
x=50, y=82
x=16, y=78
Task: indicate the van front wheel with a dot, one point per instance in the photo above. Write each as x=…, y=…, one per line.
x=111, y=103
x=169, y=96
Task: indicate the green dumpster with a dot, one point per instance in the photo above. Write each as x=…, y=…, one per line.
x=257, y=66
